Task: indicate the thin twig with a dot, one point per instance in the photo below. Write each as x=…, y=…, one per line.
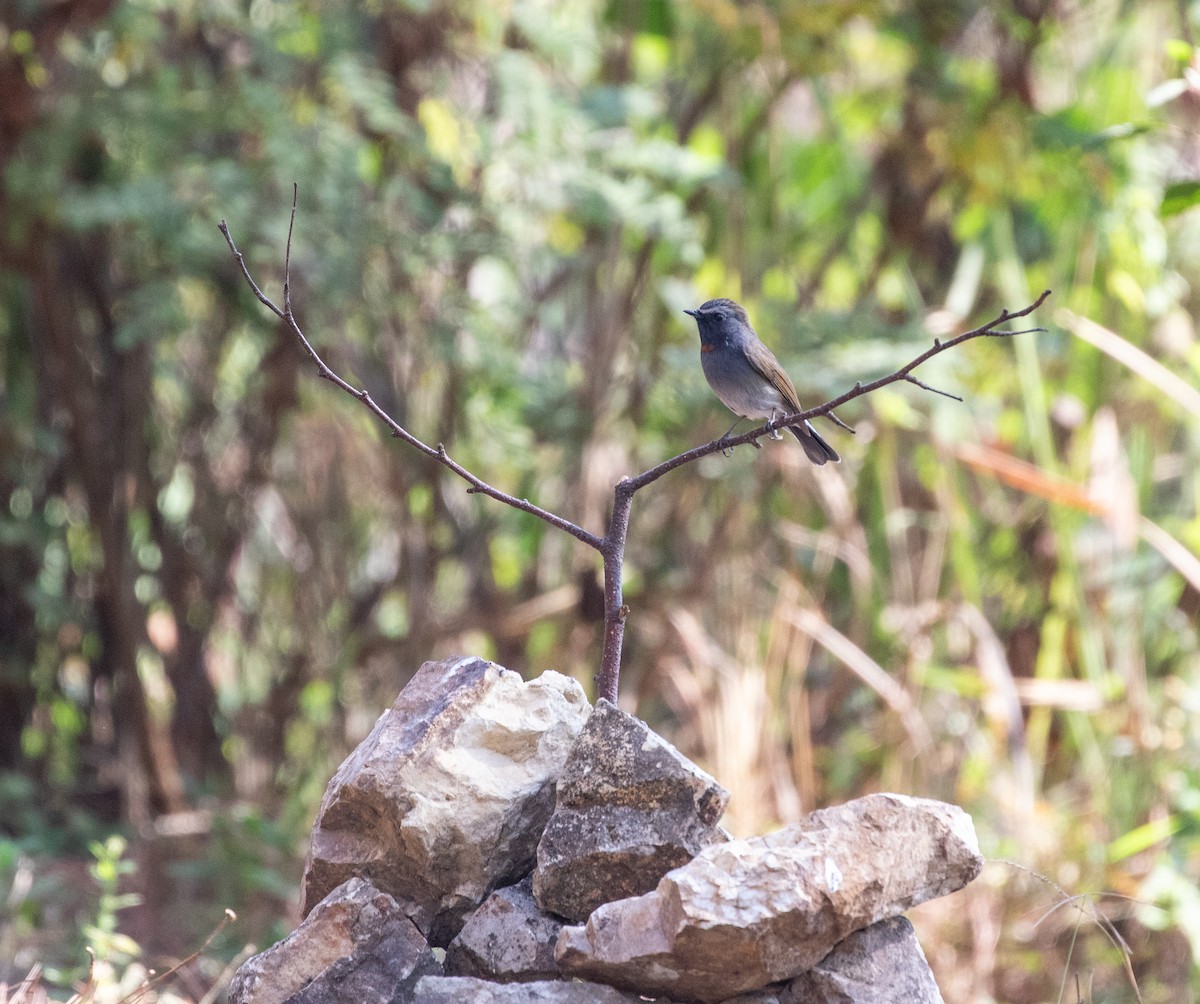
x=838, y=422
x=287, y=254
x=154, y=981
x=932, y=390
x=397, y=430
x=1106, y=926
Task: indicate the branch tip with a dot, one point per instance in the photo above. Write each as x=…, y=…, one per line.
x=933, y=390
x=838, y=422
x=287, y=253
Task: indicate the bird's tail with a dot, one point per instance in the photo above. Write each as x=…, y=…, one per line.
x=818, y=451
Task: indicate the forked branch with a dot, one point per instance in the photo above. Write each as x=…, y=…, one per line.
x=611, y=546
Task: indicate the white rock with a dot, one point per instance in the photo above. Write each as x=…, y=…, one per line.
x=467, y=990
x=446, y=798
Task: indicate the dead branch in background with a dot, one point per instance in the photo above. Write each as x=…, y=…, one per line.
x=611, y=546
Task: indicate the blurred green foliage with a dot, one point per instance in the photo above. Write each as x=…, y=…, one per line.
x=102, y=934
x=216, y=572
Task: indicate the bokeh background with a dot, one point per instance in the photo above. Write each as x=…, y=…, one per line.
x=216, y=571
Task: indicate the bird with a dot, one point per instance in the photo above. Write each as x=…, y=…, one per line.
x=747, y=377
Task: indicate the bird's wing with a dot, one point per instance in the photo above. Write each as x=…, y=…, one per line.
x=768, y=366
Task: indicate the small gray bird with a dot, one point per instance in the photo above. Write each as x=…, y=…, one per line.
x=746, y=375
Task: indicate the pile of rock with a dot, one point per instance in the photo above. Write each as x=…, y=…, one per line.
x=563, y=854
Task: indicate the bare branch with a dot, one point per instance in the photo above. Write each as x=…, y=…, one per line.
x=990, y=330
x=262, y=297
x=438, y=453
x=612, y=545
x=287, y=254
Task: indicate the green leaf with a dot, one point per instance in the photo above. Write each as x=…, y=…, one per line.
x=1143, y=837
x=1179, y=197
x=1179, y=51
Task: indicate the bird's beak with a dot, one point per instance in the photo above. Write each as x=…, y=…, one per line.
x=692, y=313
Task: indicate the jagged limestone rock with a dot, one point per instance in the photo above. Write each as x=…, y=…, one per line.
x=508, y=939
x=745, y=914
x=629, y=808
x=357, y=946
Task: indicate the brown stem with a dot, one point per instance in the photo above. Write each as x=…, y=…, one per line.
x=613, y=551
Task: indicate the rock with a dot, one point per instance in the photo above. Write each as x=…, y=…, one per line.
x=448, y=795
x=881, y=964
x=507, y=939
x=629, y=808
x=467, y=990
x=749, y=913
x=355, y=947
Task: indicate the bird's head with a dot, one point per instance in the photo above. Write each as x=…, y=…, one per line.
x=719, y=320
